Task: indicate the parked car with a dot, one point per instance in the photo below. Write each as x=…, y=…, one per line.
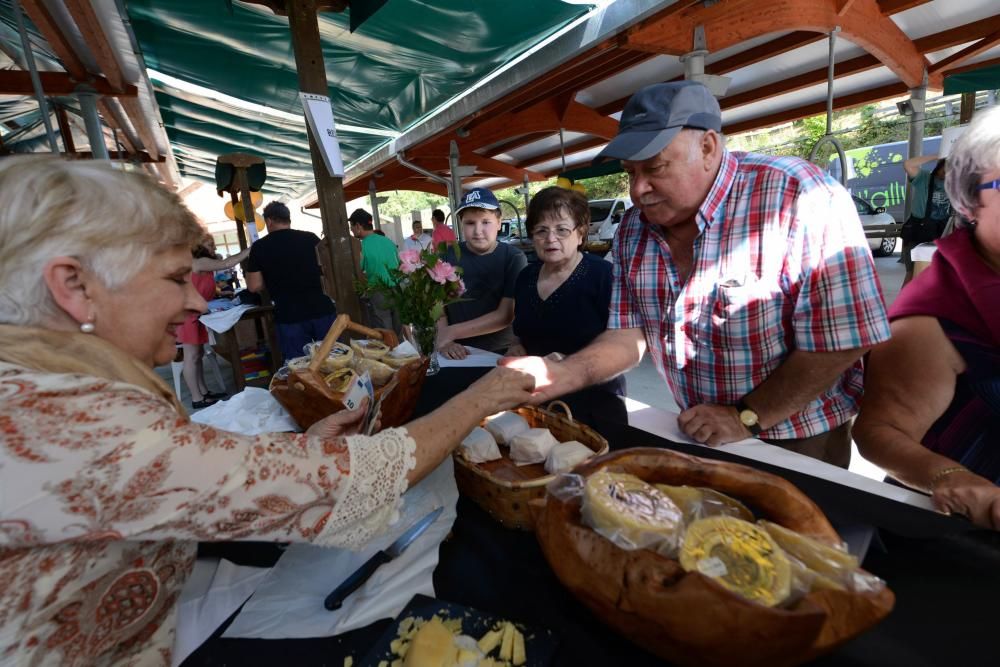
x=512, y=232
x=880, y=227
x=605, y=214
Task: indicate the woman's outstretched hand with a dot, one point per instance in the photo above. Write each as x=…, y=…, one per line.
x=345, y=422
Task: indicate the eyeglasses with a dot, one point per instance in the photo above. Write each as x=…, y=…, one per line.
x=542, y=233
x=992, y=185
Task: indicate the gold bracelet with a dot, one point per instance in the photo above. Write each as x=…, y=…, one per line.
x=944, y=472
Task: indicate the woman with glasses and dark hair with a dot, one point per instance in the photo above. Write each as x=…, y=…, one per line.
x=561, y=303
x=930, y=415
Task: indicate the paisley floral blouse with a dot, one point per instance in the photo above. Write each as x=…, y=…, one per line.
x=105, y=490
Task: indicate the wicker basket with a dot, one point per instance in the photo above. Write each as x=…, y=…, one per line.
x=308, y=398
x=504, y=489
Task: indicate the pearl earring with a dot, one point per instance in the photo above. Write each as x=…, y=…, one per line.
x=87, y=327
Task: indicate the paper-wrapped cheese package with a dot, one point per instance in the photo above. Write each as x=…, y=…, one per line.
x=565, y=455
x=480, y=447
x=531, y=446
x=504, y=426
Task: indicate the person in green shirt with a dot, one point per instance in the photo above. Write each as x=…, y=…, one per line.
x=378, y=257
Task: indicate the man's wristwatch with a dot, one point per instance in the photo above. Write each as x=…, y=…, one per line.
x=748, y=417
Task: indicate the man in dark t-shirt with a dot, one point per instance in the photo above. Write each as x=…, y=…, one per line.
x=489, y=270
x=285, y=262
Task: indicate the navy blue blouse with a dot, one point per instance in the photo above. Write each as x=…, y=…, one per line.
x=571, y=317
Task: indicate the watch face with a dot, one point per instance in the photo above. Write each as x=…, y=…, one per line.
x=748, y=417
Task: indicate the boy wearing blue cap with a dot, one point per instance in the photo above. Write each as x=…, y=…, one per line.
x=490, y=271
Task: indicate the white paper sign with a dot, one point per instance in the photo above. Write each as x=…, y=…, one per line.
x=319, y=114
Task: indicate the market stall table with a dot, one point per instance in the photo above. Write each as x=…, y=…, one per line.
x=946, y=578
x=228, y=346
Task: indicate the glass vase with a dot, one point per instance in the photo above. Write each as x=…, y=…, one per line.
x=424, y=338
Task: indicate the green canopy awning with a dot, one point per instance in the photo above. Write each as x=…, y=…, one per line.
x=406, y=60
x=984, y=78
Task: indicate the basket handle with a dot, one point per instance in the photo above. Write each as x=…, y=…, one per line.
x=560, y=404
x=342, y=323
x=363, y=330
x=331, y=337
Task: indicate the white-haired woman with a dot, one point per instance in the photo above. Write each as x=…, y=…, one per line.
x=931, y=409
x=105, y=485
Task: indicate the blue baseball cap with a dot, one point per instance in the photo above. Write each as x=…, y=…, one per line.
x=656, y=114
x=478, y=198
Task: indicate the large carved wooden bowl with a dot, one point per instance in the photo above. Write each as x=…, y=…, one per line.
x=685, y=617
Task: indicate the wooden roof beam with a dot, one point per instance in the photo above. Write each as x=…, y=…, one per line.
x=483, y=164
x=143, y=156
x=40, y=16
x=974, y=66
x=804, y=80
x=890, y=7
x=936, y=71
x=963, y=34
x=137, y=116
x=53, y=35
x=114, y=117
x=842, y=102
x=727, y=24
x=569, y=149
x=17, y=82
x=86, y=20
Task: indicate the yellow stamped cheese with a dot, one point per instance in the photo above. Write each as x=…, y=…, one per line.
x=740, y=556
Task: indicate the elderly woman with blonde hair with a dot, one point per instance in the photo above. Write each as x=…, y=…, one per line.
x=105, y=485
x=930, y=415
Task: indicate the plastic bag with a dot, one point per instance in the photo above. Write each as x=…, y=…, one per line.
x=701, y=502
x=631, y=513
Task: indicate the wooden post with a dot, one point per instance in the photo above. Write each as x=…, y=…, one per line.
x=968, y=106
x=304, y=27
x=241, y=232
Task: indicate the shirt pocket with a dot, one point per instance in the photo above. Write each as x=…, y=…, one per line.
x=746, y=314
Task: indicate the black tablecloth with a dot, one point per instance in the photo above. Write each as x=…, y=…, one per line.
x=946, y=578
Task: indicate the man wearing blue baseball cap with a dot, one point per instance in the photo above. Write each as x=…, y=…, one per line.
x=747, y=276
x=489, y=270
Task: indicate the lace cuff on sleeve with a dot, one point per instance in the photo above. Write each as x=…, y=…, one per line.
x=377, y=481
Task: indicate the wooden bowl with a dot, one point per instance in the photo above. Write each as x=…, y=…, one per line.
x=505, y=489
x=685, y=617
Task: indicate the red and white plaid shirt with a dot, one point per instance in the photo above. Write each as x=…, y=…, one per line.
x=781, y=264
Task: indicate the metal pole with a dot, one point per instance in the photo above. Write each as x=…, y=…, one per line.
x=36, y=82
x=562, y=150
x=829, y=84
x=916, y=139
x=95, y=132
x=456, y=185
x=372, y=192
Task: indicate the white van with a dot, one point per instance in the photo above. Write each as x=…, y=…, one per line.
x=605, y=214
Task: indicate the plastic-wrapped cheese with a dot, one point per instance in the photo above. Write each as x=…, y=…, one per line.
x=379, y=372
x=701, y=502
x=370, y=348
x=739, y=556
x=630, y=512
x=504, y=426
x=565, y=455
x=531, y=446
x=833, y=567
x=479, y=446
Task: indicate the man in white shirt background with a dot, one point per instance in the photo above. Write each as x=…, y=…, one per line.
x=419, y=240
